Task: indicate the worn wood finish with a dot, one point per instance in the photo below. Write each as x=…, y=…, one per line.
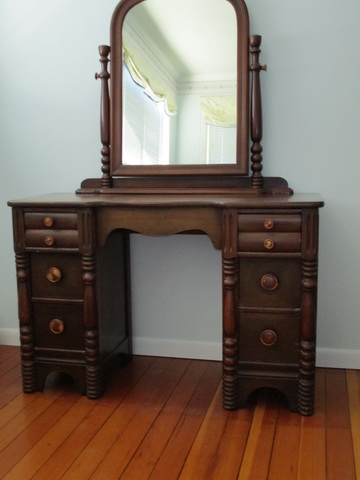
x=74, y=289
x=162, y=419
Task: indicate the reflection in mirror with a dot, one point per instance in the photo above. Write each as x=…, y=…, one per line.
x=179, y=83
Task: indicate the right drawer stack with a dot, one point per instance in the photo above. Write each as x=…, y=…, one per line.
x=269, y=248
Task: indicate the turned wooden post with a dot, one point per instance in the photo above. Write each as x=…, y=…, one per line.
x=106, y=180
x=308, y=312
x=257, y=180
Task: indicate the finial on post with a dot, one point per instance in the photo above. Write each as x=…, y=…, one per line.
x=106, y=180
x=257, y=180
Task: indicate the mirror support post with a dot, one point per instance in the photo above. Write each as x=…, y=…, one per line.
x=257, y=179
x=106, y=180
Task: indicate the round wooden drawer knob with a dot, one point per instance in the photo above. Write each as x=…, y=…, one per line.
x=56, y=326
x=269, y=282
x=269, y=224
x=49, y=240
x=268, y=338
x=53, y=274
x=269, y=244
x=48, y=221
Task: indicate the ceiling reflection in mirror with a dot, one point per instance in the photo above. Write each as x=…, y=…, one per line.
x=179, y=83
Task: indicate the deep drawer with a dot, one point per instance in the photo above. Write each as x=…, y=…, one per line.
x=269, y=223
x=269, y=242
x=52, y=238
x=58, y=326
x=269, y=338
x=56, y=276
x=270, y=283
x=46, y=220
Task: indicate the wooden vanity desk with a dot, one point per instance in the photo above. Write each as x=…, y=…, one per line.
x=72, y=251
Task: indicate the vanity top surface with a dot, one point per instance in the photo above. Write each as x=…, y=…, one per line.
x=69, y=200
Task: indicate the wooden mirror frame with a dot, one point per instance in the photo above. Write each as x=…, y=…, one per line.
x=217, y=178
x=116, y=97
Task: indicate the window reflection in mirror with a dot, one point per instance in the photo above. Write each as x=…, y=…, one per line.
x=180, y=77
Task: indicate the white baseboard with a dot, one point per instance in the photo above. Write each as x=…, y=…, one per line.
x=177, y=348
x=325, y=357
x=9, y=336
x=337, y=358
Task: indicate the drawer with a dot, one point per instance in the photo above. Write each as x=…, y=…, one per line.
x=54, y=221
x=58, y=326
x=287, y=242
x=52, y=238
x=269, y=223
x=270, y=282
x=56, y=276
x=269, y=338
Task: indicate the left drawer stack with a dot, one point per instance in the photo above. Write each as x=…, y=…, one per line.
x=51, y=297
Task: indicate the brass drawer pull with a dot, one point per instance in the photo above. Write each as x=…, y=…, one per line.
x=53, y=274
x=269, y=244
x=269, y=282
x=269, y=224
x=268, y=338
x=56, y=326
x=48, y=221
x=49, y=240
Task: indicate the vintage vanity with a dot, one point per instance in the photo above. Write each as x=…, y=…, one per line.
x=72, y=250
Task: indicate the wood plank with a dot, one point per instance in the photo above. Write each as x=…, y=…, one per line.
x=339, y=451
x=33, y=460
x=129, y=439
x=30, y=435
x=99, y=446
x=10, y=358
x=353, y=386
x=9, y=393
x=232, y=445
x=14, y=407
x=257, y=455
x=199, y=463
x=285, y=453
x=9, y=377
x=312, y=447
x=7, y=351
x=151, y=448
x=179, y=445
x=67, y=453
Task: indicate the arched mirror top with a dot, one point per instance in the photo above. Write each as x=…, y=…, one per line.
x=212, y=75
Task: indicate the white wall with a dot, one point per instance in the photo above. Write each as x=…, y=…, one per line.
x=50, y=142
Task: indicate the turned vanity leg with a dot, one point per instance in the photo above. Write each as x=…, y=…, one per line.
x=230, y=333
x=92, y=350
x=308, y=312
x=307, y=338
x=26, y=328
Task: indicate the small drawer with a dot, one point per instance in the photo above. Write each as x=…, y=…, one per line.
x=269, y=223
x=270, y=283
x=269, y=338
x=52, y=238
x=269, y=242
x=50, y=221
x=56, y=276
x=58, y=326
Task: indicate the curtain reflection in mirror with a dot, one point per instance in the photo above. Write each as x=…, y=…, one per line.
x=202, y=107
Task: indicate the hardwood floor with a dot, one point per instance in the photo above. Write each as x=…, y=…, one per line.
x=162, y=419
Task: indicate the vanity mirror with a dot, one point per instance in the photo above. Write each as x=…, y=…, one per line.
x=177, y=108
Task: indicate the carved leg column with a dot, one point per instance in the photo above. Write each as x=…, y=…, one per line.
x=308, y=312
x=307, y=338
x=230, y=333
x=230, y=266
x=26, y=327
x=94, y=386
